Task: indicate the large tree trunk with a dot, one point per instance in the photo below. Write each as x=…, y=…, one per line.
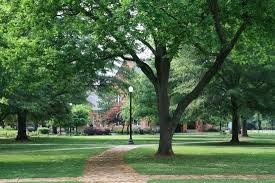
x=21, y=129
x=235, y=120
x=244, y=128
x=167, y=127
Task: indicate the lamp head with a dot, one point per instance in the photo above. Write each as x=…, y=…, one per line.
x=131, y=89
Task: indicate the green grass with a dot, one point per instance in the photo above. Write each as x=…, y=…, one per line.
x=56, y=156
x=211, y=181
x=59, y=156
x=255, y=156
x=208, y=153
x=32, y=159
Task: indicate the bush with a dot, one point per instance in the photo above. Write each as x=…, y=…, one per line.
x=107, y=131
x=97, y=131
x=118, y=129
x=147, y=131
x=135, y=130
x=43, y=130
x=212, y=130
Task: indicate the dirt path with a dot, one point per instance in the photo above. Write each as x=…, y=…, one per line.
x=109, y=167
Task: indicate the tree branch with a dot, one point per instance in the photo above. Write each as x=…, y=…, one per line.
x=204, y=51
x=219, y=60
x=148, y=45
x=214, y=9
x=146, y=69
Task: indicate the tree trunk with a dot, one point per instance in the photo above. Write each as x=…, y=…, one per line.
x=35, y=126
x=235, y=120
x=127, y=129
x=54, y=129
x=2, y=123
x=122, y=130
x=167, y=127
x=21, y=129
x=76, y=129
x=259, y=122
x=166, y=137
x=60, y=130
x=244, y=128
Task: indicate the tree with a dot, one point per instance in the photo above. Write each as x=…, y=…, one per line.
x=241, y=90
x=39, y=63
x=124, y=29
x=130, y=26
x=169, y=25
x=80, y=115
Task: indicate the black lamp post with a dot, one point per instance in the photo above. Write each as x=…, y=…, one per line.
x=130, y=141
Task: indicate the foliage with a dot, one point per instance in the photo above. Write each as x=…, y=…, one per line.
x=80, y=114
x=143, y=101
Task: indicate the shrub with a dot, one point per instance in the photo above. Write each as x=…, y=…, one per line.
x=136, y=130
x=97, y=131
x=107, y=131
x=118, y=129
x=147, y=131
x=89, y=131
x=211, y=130
x=43, y=130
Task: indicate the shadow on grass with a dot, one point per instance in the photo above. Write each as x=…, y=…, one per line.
x=69, y=163
x=202, y=162
x=228, y=144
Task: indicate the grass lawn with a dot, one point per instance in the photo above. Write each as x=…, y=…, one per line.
x=64, y=156
x=211, y=181
x=50, y=159
x=28, y=164
x=255, y=156
x=56, y=156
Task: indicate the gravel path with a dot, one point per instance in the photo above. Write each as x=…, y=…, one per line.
x=110, y=167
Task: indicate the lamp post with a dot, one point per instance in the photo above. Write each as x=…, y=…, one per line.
x=131, y=89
